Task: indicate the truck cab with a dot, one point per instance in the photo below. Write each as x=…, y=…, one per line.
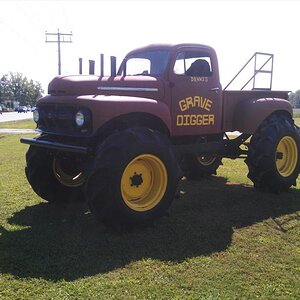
x=192, y=89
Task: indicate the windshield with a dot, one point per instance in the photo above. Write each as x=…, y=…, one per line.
x=145, y=63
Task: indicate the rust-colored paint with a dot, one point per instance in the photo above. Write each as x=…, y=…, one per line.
x=106, y=108
x=94, y=85
x=245, y=110
x=187, y=104
x=257, y=110
x=196, y=100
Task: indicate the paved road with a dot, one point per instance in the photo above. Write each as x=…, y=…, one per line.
x=14, y=116
x=16, y=131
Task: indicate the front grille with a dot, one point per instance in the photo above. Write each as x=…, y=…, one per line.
x=60, y=119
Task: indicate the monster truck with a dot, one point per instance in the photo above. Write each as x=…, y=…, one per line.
x=123, y=142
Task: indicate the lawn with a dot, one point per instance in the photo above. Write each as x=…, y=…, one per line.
x=221, y=240
x=24, y=124
x=297, y=121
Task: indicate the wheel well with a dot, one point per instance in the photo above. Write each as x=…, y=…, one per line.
x=282, y=113
x=275, y=113
x=131, y=120
x=279, y=113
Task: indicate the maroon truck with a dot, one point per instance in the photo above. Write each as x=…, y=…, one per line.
x=123, y=142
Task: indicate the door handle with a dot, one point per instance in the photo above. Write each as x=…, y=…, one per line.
x=215, y=89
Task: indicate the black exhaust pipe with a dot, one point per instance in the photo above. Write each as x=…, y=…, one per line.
x=113, y=66
x=101, y=65
x=80, y=66
x=91, y=67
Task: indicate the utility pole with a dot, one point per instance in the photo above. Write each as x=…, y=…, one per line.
x=59, y=38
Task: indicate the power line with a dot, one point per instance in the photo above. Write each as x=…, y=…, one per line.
x=59, y=38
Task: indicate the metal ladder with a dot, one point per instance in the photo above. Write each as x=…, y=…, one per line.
x=257, y=70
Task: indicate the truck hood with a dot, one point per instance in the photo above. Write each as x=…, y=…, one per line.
x=136, y=86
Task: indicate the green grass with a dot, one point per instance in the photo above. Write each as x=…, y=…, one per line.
x=222, y=240
x=24, y=124
x=297, y=120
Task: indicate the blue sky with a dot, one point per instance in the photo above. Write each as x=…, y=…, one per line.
x=236, y=29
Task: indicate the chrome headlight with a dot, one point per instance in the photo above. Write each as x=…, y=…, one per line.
x=79, y=118
x=36, y=116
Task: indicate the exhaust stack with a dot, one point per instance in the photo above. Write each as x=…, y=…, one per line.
x=91, y=67
x=113, y=66
x=80, y=66
x=101, y=65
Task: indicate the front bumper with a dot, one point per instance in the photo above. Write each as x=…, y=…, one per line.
x=57, y=146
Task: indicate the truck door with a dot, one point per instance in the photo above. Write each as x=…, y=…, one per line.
x=196, y=92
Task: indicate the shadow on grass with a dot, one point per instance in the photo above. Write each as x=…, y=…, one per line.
x=65, y=242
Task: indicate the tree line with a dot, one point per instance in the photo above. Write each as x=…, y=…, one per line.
x=294, y=98
x=16, y=89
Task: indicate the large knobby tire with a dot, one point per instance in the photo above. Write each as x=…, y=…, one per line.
x=134, y=178
x=273, y=157
x=52, y=178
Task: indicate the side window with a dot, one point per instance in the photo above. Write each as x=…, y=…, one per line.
x=193, y=63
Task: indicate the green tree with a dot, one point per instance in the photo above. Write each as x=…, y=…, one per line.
x=294, y=98
x=5, y=91
x=16, y=87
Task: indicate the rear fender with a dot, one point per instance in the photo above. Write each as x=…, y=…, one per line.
x=249, y=114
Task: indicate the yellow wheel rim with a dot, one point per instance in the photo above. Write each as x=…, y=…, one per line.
x=286, y=156
x=144, y=182
x=70, y=179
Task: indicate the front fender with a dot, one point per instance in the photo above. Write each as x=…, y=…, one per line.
x=249, y=114
x=106, y=108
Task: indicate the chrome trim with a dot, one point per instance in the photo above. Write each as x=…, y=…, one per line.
x=127, y=89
